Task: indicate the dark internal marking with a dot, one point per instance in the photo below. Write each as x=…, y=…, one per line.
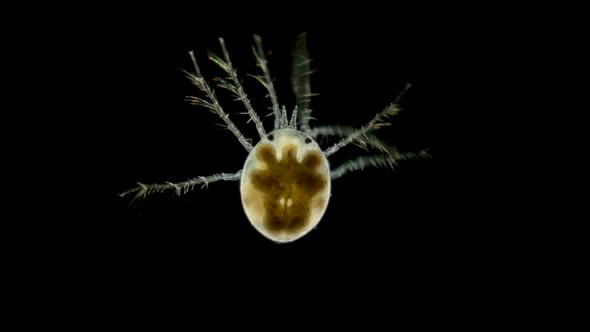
x=270, y=137
x=288, y=179
x=307, y=140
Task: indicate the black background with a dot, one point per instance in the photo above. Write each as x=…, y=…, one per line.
x=86, y=114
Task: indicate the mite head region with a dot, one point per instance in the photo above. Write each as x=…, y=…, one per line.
x=285, y=185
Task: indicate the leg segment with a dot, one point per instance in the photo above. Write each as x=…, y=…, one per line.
x=179, y=188
x=390, y=110
x=385, y=161
x=300, y=73
x=213, y=105
x=235, y=86
x=368, y=139
x=265, y=80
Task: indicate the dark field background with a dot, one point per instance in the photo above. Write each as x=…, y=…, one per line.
x=86, y=114
x=85, y=119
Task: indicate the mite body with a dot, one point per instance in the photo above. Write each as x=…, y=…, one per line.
x=285, y=185
x=286, y=179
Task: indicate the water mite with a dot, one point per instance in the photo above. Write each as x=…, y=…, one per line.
x=286, y=179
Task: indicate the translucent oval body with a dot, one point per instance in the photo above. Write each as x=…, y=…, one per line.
x=285, y=185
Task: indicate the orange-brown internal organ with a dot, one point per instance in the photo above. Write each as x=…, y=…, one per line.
x=287, y=187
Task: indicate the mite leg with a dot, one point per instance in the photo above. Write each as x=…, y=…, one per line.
x=377, y=122
x=142, y=190
x=363, y=141
x=300, y=80
x=266, y=80
x=384, y=161
x=213, y=105
x=235, y=86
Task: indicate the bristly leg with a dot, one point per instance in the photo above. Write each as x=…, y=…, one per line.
x=363, y=141
x=376, y=123
x=266, y=80
x=300, y=80
x=213, y=105
x=384, y=161
x=235, y=86
x=179, y=188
